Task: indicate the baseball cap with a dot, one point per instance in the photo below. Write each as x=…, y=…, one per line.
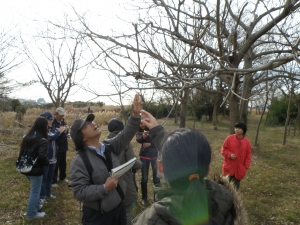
x=47, y=115
x=78, y=124
x=115, y=124
x=60, y=111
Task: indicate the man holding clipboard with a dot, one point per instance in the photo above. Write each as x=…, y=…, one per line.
x=91, y=182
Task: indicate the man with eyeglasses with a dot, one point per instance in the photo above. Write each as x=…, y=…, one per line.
x=102, y=195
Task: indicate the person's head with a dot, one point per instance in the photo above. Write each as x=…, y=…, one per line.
x=49, y=117
x=185, y=160
x=242, y=126
x=185, y=152
x=38, y=130
x=115, y=125
x=59, y=113
x=83, y=131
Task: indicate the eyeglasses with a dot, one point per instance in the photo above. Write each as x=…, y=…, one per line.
x=90, y=124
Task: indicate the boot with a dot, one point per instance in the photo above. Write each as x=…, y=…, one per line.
x=144, y=193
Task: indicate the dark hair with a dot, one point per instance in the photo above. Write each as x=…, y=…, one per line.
x=241, y=125
x=78, y=141
x=38, y=131
x=185, y=152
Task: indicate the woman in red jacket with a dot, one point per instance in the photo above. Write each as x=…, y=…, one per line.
x=236, y=151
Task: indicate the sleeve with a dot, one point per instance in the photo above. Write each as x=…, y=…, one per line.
x=225, y=151
x=139, y=137
x=53, y=135
x=80, y=182
x=42, y=152
x=157, y=135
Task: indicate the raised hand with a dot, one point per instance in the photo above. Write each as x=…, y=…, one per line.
x=149, y=121
x=137, y=105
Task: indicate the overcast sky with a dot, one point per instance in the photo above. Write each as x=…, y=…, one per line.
x=30, y=14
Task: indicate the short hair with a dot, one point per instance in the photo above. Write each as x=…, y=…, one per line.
x=242, y=126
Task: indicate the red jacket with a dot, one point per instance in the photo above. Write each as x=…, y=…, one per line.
x=241, y=147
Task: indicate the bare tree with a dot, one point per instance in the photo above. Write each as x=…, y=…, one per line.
x=57, y=57
x=233, y=40
x=10, y=58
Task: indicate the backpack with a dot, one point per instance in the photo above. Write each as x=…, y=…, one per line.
x=26, y=160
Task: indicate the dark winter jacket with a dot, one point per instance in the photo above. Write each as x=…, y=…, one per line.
x=224, y=202
x=125, y=155
x=62, y=140
x=149, y=153
x=42, y=160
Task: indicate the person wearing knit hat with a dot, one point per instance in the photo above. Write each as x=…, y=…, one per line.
x=115, y=126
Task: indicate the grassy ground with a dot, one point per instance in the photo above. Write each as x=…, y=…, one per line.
x=270, y=190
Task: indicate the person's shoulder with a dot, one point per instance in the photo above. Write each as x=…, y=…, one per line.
x=43, y=140
x=220, y=188
x=157, y=214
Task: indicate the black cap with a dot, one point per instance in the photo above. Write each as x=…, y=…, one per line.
x=115, y=124
x=78, y=124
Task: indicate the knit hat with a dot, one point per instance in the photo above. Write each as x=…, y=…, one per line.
x=115, y=124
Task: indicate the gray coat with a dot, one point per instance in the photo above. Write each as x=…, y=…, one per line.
x=91, y=194
x=125, y=155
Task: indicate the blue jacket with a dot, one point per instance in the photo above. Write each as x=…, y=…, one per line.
x=53, y=134
x=62, y=140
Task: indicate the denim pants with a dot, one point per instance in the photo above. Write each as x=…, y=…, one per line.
x=35, y=189
x=47, y=180
x=145, y=170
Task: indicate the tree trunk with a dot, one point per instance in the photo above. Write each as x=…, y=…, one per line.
x=233, y=108
x=248, y=84
x=176, y=113
x=184, y=104
x=261, y=117
x=287, y=119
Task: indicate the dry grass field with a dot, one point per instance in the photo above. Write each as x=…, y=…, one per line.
x=270, y=190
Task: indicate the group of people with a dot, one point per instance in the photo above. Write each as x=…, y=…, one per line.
x=187, y=197
x=47, y=138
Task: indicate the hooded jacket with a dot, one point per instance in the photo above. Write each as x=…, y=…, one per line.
x=225, y=205
x=125, y=155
